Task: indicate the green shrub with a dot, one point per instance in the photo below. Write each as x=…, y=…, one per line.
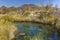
x=26, y=14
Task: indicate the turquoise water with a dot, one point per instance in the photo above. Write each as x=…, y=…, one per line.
x=32, y=31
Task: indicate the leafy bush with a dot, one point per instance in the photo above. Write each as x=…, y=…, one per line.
x=26, y=14
x=50, y=18
x=43, y=15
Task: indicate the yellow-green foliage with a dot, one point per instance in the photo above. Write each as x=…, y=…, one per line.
x=50, y=18
x=43, y=15
x=26, y=14
x=58, y=24
x=5, y=28
x=46, y=8
x=47, y=17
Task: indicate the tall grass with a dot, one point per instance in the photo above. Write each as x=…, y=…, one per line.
x=6, y=28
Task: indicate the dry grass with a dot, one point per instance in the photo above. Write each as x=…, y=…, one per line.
x=7, y=28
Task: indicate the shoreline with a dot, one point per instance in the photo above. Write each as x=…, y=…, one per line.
x=35, y=22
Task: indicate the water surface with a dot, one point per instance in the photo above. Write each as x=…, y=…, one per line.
x=33, y=31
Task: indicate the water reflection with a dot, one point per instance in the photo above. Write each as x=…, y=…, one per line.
x=34, y=32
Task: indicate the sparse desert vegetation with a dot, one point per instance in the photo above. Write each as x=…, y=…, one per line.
x=10, y=15
x=29, y=22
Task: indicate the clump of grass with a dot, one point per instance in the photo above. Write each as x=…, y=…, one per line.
x=26, y=14
x=58, y=24
x=6, y=27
